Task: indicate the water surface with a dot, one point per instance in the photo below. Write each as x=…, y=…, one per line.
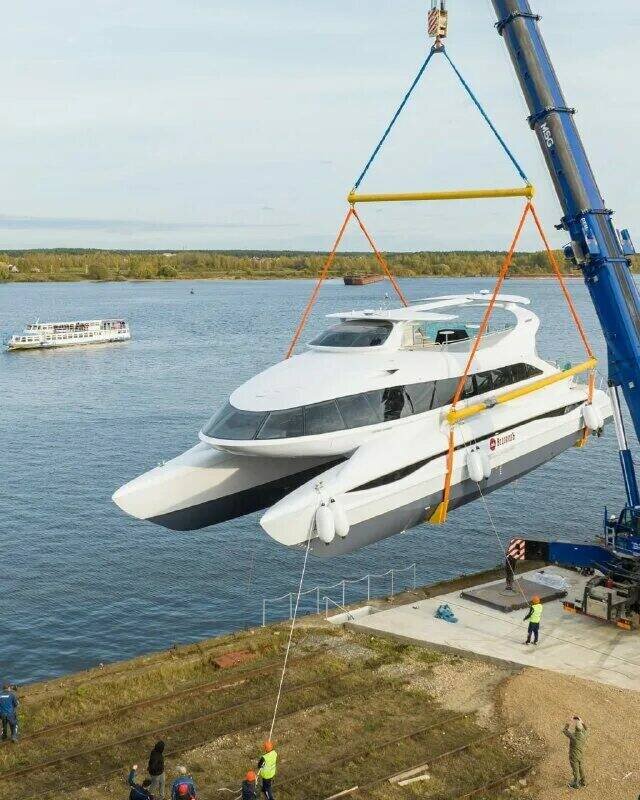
x=82, y=583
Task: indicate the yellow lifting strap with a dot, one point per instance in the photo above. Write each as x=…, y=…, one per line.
x=456, y=194
x=439, y=516
x=471, y=411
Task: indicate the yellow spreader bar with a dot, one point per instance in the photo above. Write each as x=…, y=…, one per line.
x=460, y=194
x=514, y=394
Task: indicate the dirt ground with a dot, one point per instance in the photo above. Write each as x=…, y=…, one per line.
x=541, y=702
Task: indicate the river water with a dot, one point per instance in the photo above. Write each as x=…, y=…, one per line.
x=82, y=583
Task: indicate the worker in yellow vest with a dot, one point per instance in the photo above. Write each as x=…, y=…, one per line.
x=534, y=616
x=267, y=769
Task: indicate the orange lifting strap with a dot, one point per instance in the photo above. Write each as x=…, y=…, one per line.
x=440, y=514
x=327, y=266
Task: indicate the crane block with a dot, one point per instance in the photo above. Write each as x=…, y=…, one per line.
x=438, y=19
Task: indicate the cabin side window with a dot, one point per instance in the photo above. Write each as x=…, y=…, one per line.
x=359, y=410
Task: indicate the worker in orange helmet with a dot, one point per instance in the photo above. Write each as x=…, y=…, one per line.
x=267, y=769
x=534, y=616
x=249, y=789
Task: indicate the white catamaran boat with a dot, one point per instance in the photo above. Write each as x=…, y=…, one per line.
x=64, y=334
x=347, y=443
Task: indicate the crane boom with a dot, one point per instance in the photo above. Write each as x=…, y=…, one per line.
x=597, y=248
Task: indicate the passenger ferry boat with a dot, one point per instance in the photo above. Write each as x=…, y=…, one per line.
x=39, y=335
x=347, y=443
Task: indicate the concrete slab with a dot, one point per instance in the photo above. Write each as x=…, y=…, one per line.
x=569, y=644
x=496, y=595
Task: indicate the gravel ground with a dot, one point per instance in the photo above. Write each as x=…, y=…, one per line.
x=543, y=701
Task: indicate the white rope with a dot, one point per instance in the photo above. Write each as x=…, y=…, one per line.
x=502, y=547
x=293, y=623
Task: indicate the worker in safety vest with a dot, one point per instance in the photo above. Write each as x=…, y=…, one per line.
x=267, y=769
x=534, y=616
x=576, y=732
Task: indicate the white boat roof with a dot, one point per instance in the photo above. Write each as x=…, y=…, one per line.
x=422, y=311
x=394, y=315
x=323, y=373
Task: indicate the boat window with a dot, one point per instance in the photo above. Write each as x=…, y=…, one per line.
x=469, y=388
x=421, y=395
x=355, y=333
x=391, y=403
x=445, y=392
x=360, y=410
x=357, y=411
x=231, y=423
x=322, y=418
x=484, y=382
x=282, y=425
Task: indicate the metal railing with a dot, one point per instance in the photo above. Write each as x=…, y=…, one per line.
x=321, y=592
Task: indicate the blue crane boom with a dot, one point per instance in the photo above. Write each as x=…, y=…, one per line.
x=597, y=248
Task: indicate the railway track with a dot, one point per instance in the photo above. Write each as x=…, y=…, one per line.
x=4, y=776
x=417, y=768
x=233, y=679
x=495, y=784
x=68, y=786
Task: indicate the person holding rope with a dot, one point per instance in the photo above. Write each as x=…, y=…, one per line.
x=534, y=616
x=267, y=769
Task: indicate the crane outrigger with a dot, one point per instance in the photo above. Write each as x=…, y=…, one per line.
x=602, y=253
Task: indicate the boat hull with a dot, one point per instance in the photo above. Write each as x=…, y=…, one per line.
x=408, y=516
x=49, y=345
x=409, y=486
x=205, y=486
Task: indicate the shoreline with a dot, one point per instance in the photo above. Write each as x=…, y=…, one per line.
x=217, y=279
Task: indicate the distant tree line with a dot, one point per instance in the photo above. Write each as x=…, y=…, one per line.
x=124, y=265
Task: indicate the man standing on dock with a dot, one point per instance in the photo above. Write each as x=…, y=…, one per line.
x=576, y=732
x=534, y=616
x=267, y=769
x=509, y=571
x=9, y=712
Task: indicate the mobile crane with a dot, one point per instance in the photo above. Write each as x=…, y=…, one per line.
x=602, y=253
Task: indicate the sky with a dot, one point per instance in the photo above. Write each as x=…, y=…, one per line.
x=242, y=125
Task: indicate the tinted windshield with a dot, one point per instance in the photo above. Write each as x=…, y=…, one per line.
x=232, y=423
x=355, y=334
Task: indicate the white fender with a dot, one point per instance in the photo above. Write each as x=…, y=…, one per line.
x=474, y=465
x=486, y=465
x=592, y=417
x=340, y=520
x=325, y=526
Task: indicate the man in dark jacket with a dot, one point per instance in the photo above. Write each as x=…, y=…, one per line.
x=156, y=770
x=249, y=789
x=9, y=712
x=139, y=791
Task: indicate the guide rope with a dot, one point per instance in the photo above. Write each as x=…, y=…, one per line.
x=501, y=546
x=293, y=623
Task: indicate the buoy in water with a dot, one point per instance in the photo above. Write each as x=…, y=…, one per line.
x=325, y=525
